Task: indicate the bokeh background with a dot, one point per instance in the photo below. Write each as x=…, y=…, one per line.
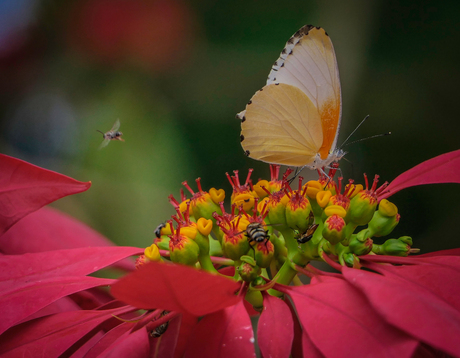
x=176, y=72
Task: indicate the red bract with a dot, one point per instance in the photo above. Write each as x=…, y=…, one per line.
x=397, y=307
x=177, y=285
x=25, y=188
x=444, y=168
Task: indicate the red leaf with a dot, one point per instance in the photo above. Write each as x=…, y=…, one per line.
x=444, y=168
x=109, y=338
x=275, y=331
x=333, y=310
x=226, y=333
x=131, y=344
x=187, y=327
x=176, y=288
x=22, y=300
x=49, y=229
x=24, y=188
x=440, y=280
x=57, y=263
x=167, y=342
x=52, y=335
x=411, y=308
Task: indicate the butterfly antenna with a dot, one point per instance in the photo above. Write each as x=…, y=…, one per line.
x=374, y=136
x=97, y=130
x=359, y=125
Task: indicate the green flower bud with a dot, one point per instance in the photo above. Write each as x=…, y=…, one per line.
x=333, y=230
x=248, y=270
x=361, y=243
x=385, y=219
x=183, y=250
x=263, y=253
x=235, y=246
x=362, y=208
x=394, y=247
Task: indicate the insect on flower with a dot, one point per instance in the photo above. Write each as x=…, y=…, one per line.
x=112, y=134
x=306, y=236
x=158, y=230
x=158, y=332
x=255, y=232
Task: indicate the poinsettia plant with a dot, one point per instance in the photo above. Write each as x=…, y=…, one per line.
x=213, y=270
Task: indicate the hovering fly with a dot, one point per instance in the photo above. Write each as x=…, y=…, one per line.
x=112, y=134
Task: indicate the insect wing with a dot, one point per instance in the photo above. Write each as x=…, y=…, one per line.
x=104, y=143
x=116, y=126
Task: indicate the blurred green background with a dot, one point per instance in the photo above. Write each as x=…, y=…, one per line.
x=176, y=72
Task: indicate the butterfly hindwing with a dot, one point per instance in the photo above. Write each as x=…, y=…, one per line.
x=284, y=126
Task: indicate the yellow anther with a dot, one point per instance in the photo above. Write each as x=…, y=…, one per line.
x=183, y=207
x=217, y=196
x=314, y=187
x=189, y=231
x=387, y=208
x=322, y=197
x=246, y=200
x=353, y=190
x=204, y=226
x=152, y=253
x=258, y=188
x=335, y=210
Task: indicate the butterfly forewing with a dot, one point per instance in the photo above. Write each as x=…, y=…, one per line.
x=308, y=62
x=298, y=131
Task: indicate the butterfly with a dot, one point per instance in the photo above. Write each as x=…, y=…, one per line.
x=295, y=119
x=113, y=134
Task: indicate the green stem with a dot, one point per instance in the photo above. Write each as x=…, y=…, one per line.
x=206, y=263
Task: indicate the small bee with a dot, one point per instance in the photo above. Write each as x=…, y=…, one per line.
x=158, y=230
x=255, y=233
x=157, y=332
x=112, y=134
x=302, y=238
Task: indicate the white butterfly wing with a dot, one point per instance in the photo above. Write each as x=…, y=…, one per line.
x=294, y=133
x=284, y=126
x=308, y=62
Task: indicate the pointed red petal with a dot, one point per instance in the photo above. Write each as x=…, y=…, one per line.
x=131, y=344
x=334, y=310
x=49, y=229
x=108, y=339
x=302, y=346
x=187, y=327
x=226, y=334
x=275, y=331
x=176, y=288
x=52, y=335
x=23, y=300
x=57, y=263
x=444, y=168
x=411, y=308
x=439, y=279
x=24, y=188
x=167, y=344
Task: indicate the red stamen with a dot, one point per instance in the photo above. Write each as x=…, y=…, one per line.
x=366, y=181
x=173, y=201
x=300, y=184
x=249, y=176
x=198, y=183
x=374, y=184
x=236, y=178
x=183, y=197
x=230, y=180
x=184, y=183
